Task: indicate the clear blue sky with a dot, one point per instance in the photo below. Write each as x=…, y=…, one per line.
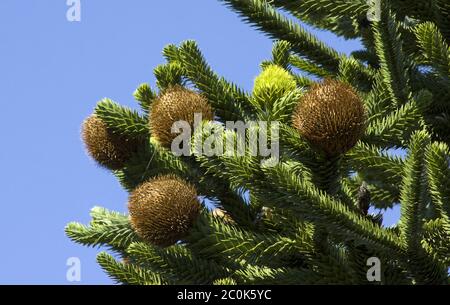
x=52, y=73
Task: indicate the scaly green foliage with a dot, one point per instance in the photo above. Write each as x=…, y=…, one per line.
x=308, y=217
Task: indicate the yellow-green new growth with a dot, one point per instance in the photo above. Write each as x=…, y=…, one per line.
x=273, y=83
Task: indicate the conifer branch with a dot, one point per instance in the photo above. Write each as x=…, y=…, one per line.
x=229, y=102
x=122, y=120
x=127, y=273
x=436, y=52
x=264, y=17
x=394, y=65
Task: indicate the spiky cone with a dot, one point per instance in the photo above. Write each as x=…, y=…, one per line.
x=163, y=210
x=176, y=104
x=110, y=150
x=331, y=116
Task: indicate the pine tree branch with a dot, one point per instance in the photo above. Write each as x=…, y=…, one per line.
x=308, y=67
x=149, y=161
x=388, y=46
x=122, y=120
x=225, y=281
x=169, y=75
x=437, y=11
x=436, y=52
x=383, y=195
x=375, y=165
x=145, y=96
x=340, y=17
x=436, y=239
x=328, y=8
x=354, y=73
x=424, y=268
x=312, y=204
x=261, y=275
x=303, y=81
x=441, y=12
x=107, y=228
x=275, y=213
x=177, y=264
x=378, y=101
x=228, y=101
x=438, y=174
x=127, y=273
x=395, y=129
x=327, y=273
x=264, y=17
x=281, y=53
x=278, y=186
x=171, y=53
x=412, y=192
x=213, y=238
x=283, y=107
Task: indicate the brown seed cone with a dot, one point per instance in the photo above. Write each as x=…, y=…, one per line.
x=108, y=149
x=331, y=116
x=176, y=104
x=163, y=210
